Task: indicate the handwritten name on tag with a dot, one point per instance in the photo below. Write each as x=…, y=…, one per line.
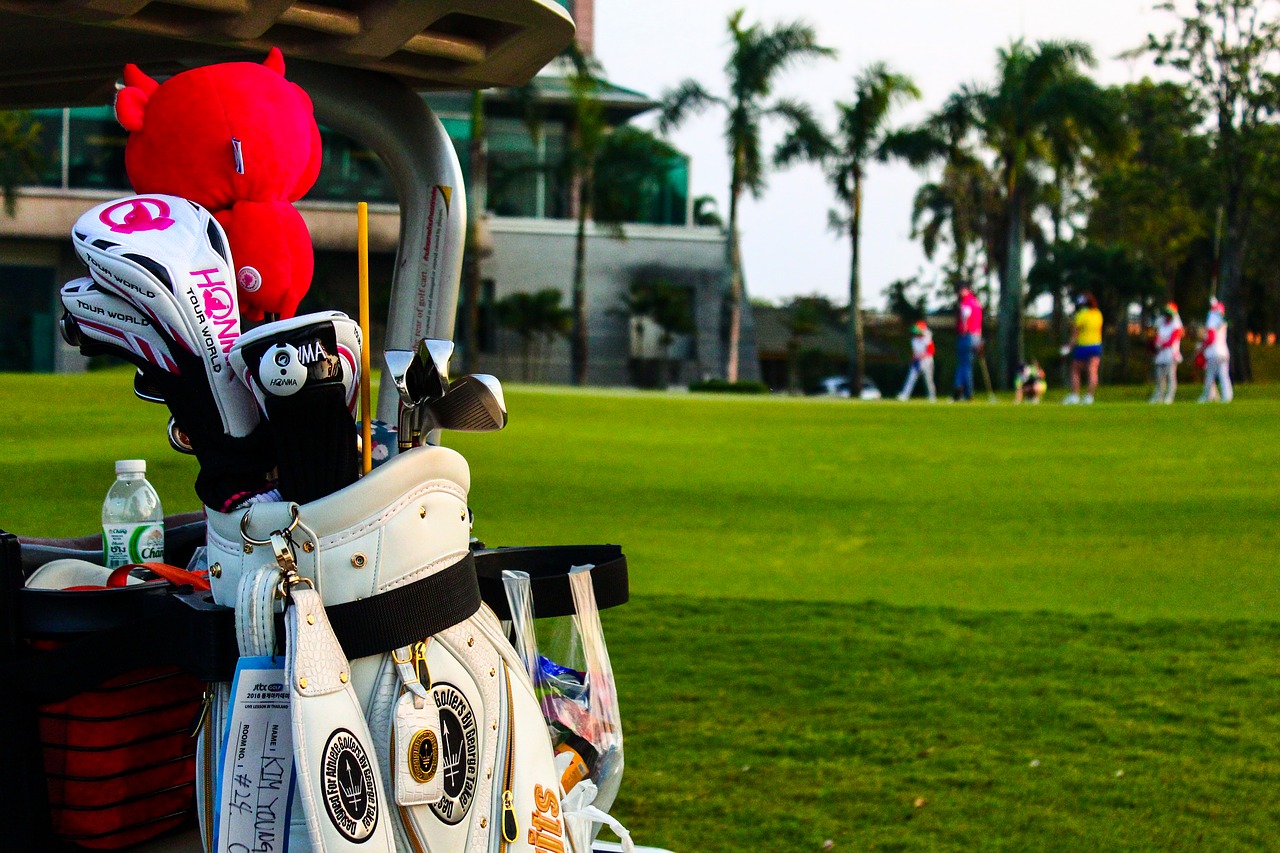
x=255, y=774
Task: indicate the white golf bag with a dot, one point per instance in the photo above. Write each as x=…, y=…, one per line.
x=414, y=724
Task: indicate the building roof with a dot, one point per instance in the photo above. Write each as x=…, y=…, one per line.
x=67, y=52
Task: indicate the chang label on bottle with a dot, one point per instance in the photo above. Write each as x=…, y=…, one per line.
x=133, y=543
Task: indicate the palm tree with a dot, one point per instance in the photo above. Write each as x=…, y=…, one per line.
x=1038, y=91
x=758, y=56
x=533, y=315
x=862, y=134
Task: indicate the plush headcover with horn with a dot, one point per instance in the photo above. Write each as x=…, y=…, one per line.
x=240, y=140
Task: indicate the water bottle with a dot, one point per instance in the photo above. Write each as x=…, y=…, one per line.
x=132, y=519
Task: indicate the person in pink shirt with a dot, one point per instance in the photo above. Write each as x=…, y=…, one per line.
x=968, y=342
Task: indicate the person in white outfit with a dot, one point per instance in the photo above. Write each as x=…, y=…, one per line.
x=1217, y=358
x=1168, y=355
x=922, y=350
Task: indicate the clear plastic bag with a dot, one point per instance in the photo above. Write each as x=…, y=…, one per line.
x=568, y=663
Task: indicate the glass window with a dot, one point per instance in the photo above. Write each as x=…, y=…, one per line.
x=349, y=172
x=96, y=159
x=50, y=144
x=513, y=169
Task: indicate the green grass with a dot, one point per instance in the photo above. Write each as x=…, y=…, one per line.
x=842, y=610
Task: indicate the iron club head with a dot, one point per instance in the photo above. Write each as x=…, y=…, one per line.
x=474, y=403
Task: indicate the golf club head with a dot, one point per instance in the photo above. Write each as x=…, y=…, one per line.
x=434, y=357
x=474, y=403
x=144, y=389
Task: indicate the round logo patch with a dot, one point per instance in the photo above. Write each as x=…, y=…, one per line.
x=459, y=753
x=281, y=371
x=350, y=796
x=249, y=279
x=424, y=756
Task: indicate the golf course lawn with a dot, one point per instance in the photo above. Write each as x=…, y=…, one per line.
x=894, y=627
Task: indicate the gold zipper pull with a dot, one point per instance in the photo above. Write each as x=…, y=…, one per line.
x=420, y=664
x=206, y=702
x=510, y=832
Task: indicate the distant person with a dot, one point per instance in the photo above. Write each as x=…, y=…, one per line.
x=1031, y=383
x=1085, y=348
x=1168, y=353
x=1217, y=358
x=968, y=342
x=922, y=350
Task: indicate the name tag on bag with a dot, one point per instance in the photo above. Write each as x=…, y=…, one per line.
x=255, y=773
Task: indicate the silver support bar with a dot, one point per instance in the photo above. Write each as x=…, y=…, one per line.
x=394, y=122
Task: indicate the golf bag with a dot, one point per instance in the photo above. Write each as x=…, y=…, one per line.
x=452, y=747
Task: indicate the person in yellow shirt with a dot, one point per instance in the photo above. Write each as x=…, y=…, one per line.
x=1085, y=348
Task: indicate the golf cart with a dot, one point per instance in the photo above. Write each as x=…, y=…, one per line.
x=363, y=66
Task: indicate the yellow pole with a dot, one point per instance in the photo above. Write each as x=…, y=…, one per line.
x=366, y=410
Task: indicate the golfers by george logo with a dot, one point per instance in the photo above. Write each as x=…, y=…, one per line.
x=350, y=792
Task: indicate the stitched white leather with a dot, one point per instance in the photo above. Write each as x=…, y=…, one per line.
x=413, y=718
x=325, y=711
x=255, y=611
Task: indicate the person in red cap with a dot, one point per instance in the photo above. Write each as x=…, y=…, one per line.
x=1168, y=347
x=1217, y=358
x=922, y=350
x=968, y=342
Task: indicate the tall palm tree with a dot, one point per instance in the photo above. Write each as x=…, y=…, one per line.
x=862, y=134
x=758, y=56
x=1038, y=90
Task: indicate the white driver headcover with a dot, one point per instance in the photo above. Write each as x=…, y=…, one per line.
x=337, y=773
x=115, y=322
x=170, y=258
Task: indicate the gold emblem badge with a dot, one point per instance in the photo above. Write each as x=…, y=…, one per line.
x=424, y=756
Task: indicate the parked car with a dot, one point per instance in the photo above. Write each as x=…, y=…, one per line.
x=838, y=386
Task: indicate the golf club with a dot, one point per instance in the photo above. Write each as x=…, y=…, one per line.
x=474, y=404
x=986, y=377
x=420, y=376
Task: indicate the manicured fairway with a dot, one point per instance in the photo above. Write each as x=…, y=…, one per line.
x=895, y=627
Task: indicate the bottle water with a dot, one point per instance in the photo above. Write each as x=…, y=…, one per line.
x=132, y=519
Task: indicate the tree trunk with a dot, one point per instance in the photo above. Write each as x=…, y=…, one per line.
x=1059, y=314
x=856, y=344
x=477, y=193
x=578, y=337
x=1231, y=292
x=1009, y=329
x=735, y=273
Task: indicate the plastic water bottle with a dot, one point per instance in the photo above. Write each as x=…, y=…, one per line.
x=132, y=518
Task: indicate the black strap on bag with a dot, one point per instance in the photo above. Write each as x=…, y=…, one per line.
x=111, y=632
x=186, y=629
x=548, y=568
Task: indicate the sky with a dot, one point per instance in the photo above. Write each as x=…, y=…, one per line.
x=650, y=45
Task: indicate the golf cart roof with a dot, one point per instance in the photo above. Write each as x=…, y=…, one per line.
x=68, y=52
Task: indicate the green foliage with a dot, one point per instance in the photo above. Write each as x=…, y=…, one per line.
x=534, y=316
x=906, y=299
x=20, y=157
x=630, y=172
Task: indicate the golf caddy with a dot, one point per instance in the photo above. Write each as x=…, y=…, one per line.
x=357, y=688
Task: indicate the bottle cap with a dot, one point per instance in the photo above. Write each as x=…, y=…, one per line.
x=131, y=466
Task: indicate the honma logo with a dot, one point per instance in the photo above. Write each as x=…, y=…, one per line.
x=459, y=753
x=139, y=213
x=350, y=792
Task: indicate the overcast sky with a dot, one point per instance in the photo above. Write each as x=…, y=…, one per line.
x=650, y=45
